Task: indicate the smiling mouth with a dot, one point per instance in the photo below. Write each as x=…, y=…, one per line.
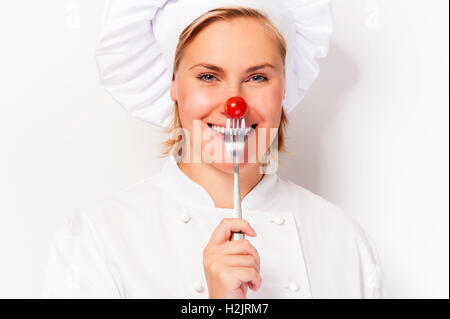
x=221, y=129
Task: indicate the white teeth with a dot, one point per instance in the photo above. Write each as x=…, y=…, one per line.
x=218, y=129
x=221, y=129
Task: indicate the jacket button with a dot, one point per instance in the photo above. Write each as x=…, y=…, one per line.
x=198, y=287
x=292, y=286
x=279, y=220
x=185, y=218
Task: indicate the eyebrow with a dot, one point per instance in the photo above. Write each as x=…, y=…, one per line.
x=220, y=70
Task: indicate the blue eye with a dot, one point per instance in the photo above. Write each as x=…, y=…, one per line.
x=262, y=78
x=206, y=77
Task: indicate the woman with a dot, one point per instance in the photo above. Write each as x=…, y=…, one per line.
x=170, y=236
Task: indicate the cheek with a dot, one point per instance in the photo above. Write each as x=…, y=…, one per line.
x=196, y=102
x=267, y=104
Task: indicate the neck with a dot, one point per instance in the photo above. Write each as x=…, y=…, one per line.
x=220, y=184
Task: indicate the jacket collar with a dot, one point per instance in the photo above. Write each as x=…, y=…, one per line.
x=176, y=182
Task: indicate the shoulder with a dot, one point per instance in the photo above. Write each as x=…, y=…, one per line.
x=315, y=210
x=118, y=211
x=328, y=230
x=134, y=198
x=320, y=219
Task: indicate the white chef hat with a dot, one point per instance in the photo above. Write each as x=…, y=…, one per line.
x=138, y=39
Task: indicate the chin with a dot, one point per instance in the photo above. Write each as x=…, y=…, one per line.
x=229, y=168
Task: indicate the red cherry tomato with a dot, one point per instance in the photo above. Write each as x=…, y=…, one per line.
x=236, y=107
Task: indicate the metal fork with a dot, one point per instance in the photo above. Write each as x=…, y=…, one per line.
x=234, y=144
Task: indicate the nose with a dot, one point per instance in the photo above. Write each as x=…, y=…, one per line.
x=233, y=87
x=234, y=91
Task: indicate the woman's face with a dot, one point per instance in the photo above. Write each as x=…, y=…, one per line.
x=219, y=64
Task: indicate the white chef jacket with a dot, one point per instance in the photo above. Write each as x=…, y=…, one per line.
x=147, y=242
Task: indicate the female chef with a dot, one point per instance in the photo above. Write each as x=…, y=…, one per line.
x=170, y=235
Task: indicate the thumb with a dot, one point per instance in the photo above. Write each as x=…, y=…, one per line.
x=244, y=288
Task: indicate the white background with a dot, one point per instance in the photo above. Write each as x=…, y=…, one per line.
x=371, y=135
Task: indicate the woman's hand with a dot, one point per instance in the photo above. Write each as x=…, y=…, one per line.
x=231, y=266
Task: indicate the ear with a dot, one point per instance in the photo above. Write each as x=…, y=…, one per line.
x=173, y=91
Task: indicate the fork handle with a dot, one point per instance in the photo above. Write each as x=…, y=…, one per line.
x=237, y=200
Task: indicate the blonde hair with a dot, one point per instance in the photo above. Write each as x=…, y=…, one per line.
x=189, y=33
